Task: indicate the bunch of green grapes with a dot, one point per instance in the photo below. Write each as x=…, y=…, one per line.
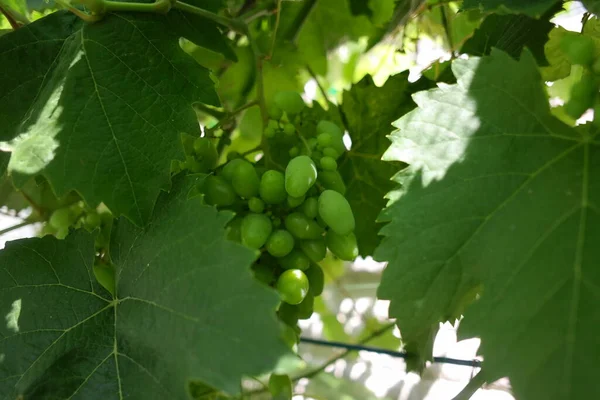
x=290, y=215
x=581, y=50
x=200, y=155
x=78, y=215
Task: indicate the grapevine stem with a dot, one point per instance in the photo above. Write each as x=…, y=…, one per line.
x=276, y=28
x=15, y=19
x=474, y=384
x=160, y=6
x=446, y=25
x=233, y=24
x=14, y=227
x=210, y=111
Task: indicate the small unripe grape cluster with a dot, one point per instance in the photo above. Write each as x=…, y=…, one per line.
x=200, y=155
x=293, y=216
x=581, y=50
x=76, y=216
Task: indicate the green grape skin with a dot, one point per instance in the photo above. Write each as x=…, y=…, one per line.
x=342, y=246
x=294, y=151
x=316, y=279
x=302, y=227
x=292, y=286
x=272, y=124
x=276, y=222
x=280, y=243
x=287, y=314
x=330, y=152
x=230, y=168
x=272, y=187
x=245, y=180
x=206, y=153
x=296, y=259
x=275, y=112
x=92, y=221
x=256, y=205
x=336, y=212
x=578, y=48
x=337, y=135
x=332, y=180
x=218, y=191
x=583, y=94
x=280, y=387
x=289, y=129
x=314, y=249
x=294, y=202
x=310, y=207
x=62, y=233
x=316, y=156
x=269, y=133
x=290, y=102
x=328, y=163
x=234, y=230
x=256, y=229
x=300, y=175
x=324, y=140
x=105, y=275
x=306, y=307
x=61, y=218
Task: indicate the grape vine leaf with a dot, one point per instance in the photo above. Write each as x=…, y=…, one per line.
x=187, y=308
x=99, y=107
x=533, y=8
x=592, y=6
x=369, y=112
x=499, y=193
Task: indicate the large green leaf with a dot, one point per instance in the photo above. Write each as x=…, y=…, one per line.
x=369, y=112
x=533, y=8
x=499, y=192
x=99, y=107
x=186, y=308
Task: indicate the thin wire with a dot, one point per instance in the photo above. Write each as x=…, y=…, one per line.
x=399, y=354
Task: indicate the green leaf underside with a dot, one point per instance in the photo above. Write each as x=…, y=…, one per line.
x=187, y=308
x=99, y=107
x=369, y=112
x=533, y=8
x=499, y=192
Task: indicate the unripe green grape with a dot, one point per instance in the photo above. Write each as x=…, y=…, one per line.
x=294, y=202
x=269, y=133
x=302, y=227
x=332, y=180
x=290, y=102
x=256, y=229
x=316, y=279
x=330, y=152
x=336, y=212
x=62, y=233
x=342, y=246
x=256, y=205
x=294, y=151
x=292, y=286
x=234, y=230
x=314, y=249
x=275, y=112
x=245, y=180
x=280, y=387
x=272, y=124
x=206, y=153
x=328, y=164
x=61, y=218
x=230, y=167
x=289, y=129
x=188, y=143
x=218, y=191
x=296, y=259
x=300, y=175
x=105, y=275
x=306, y=307
x=583, y=94
x=578, y=48
x=92, y=221
x=310, y=207
x=280, y=243
x=272, y=187
x=287, y=314
x=324, y=140
x=337, y=135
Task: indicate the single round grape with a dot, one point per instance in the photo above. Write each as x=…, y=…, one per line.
x=280, y=243
x=256, y=205
x=292, y=286
x=314, y=249
x=306, y=307
x=230, y=167
x=300, y=175
x=290, y=102
x=280, y=386
x=272, y=124
x=324, y=140
x=218, y=191
x=256, y=229
x=296, y=259
x=316, y=156
x=289, y=129
x=206, y=153
x=294, y=202
x=61, y=218
x=310, y=207
x=337, y=135
x=328, y=164
x=62, y=233
x=582, y=97
x=316, y=279
x=302, y=227
x=294, y=152
x=330, y=152
x=332, y=180
x=269, y=133
x=234, y=230
x=92, y=221
x=336, y=212
x=245, y=180
x=342, y=246
x=105, y=275
x=578, y=48
x=275, y=112
x=272, y=187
